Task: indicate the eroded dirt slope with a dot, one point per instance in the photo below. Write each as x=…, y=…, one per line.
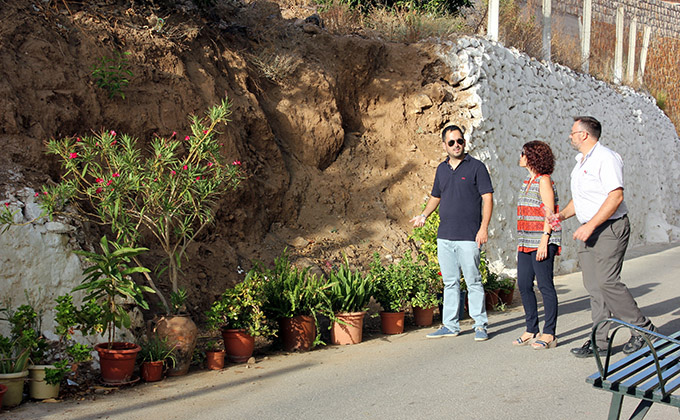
x=340, y=143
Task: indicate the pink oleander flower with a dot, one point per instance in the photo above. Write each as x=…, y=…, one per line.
x=210, y=164
x=36, y=194
x=172, y=172
x=155, y=179
x=77, y=139
x=44, y=192
x=115, y=175
x=205, y=131
x=113, y=133
x=6, y=204
x=99, y=180
x=73, y=155
x=185, y=167
x=186, y=138
x=109, y=182
x=198, y=178
x=237, y=163
x=113, y=143
x=99, y=190
x=174, y=133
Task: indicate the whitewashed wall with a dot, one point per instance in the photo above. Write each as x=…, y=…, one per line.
x=522, y=99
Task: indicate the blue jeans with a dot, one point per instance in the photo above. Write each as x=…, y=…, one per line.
x=454, y=257
x=527, y=269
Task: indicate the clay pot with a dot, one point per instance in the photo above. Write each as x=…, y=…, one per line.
x=152, y=371
x=181, y=333
x=14, y=382
x=297, y=333
x=118, y=362
x=214, y=360
x=392, y=322
x=37, y=387
x=491, y=298
x=3, y=389
x=506, y=296
x=423, y=316
x=238, y=344
x=351, y=332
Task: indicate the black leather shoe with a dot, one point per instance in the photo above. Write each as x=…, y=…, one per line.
x=587, y=351
x=636, y=342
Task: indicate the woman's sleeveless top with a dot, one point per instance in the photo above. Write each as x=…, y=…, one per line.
x=531, y=216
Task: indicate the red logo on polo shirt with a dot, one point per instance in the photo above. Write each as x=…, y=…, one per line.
x=463, y=178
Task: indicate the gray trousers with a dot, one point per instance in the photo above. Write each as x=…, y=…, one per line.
x=601, y=259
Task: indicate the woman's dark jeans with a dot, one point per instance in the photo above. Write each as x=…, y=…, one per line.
x=527, y=269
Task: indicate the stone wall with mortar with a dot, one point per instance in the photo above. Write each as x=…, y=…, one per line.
x=663, y=17
x=521, y=99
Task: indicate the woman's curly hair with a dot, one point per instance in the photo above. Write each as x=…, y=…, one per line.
x=540, y=157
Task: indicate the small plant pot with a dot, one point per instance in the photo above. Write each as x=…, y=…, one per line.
x=214, y=360
x=152, y=371
x=506, y=296
x=392, y=322
x=297, y=333
x=15, y=388
x=238, y=344
x=423, y=316
x=37, y=387
x=117, y=363
x=351, y=332
x=491, y=298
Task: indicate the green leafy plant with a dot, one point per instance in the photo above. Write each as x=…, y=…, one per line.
x=24, y=342
x=108, y=280
x=350, y=291
x=394, y=282
x=213, y=345
x=490, y=280
x=168, y=192
x=427, y=286
x=112, y=74
x=291, y=291
x=241, y=307
x=506, y=284
x=178, y=301
x=156, y=349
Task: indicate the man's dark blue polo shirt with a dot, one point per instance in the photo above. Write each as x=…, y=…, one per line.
x=460, y=191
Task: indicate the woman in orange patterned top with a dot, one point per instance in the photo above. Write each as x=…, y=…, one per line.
x=539, y=242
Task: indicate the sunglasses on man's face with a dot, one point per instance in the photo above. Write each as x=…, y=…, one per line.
x=459, y=141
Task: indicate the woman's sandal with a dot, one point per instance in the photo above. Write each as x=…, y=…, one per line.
x=542, y=345
x=520, y=342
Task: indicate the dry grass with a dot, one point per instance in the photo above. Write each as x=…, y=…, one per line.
x=341, y=19
x=517, y=27
x=408, y=26
x=274, y=66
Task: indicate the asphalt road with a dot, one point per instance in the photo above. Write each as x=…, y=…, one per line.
x=408, y=376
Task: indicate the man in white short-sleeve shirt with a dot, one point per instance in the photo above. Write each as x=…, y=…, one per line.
x=597, y=202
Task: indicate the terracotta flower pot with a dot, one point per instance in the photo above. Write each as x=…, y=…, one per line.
x=392, y=322
x=118, y=362
x=506, y=296
x=37, y=387
x=491, y=298
x=214, y=360
x=3, y=389
x=297, y=333
x=14, y=382
x=152, y=371
x=238, y=344
x=423, y=316
x=181, y=333
x=352, y=332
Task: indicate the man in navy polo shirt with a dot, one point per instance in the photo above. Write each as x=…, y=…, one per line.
x=463, y=191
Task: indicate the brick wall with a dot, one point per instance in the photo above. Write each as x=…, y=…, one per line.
x=662, y=16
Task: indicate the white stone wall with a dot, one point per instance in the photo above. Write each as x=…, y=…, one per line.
x=522, y=99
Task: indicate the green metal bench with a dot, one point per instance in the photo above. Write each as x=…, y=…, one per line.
x=651, y=374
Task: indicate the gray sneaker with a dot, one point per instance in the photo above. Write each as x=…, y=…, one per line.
x=443, y=332
x=481, y=334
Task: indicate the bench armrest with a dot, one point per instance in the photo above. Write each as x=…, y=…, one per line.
x=647, y=335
